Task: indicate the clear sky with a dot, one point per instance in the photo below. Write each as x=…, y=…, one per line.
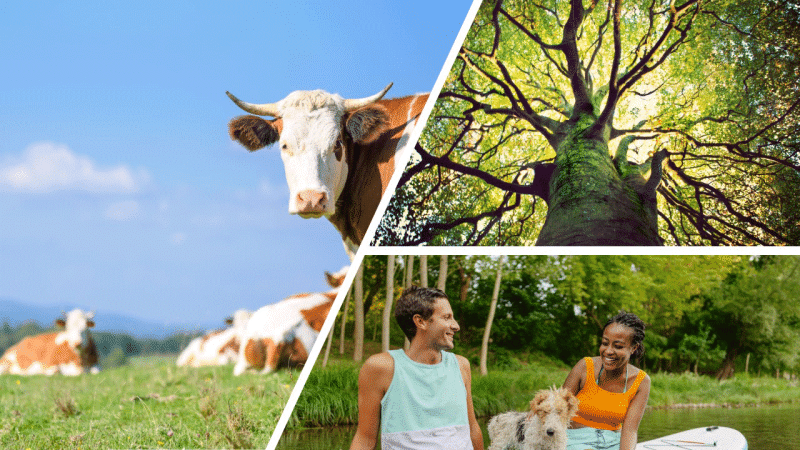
x=120, y=189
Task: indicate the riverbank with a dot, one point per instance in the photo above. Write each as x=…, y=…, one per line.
x=330, y=396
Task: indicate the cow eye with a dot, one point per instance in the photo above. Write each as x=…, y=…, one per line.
x=338, y=149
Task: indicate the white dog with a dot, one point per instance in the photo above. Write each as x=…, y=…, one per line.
x=544, y=427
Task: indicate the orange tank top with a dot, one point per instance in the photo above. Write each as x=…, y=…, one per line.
x=599, y=408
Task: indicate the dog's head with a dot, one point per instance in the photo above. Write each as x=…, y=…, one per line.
x=559, y=401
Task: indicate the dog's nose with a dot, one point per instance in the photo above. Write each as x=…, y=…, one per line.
x=551, y=431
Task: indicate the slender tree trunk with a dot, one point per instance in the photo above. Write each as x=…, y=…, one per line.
x=409, y=270
x=328, y=347
x=594, y=200
x=442, y=273
x=387, y=310
x=747, y=364
x=344, y=322
x=423, y=270
x=407, y=281
x=358, y=333
x=490, y=319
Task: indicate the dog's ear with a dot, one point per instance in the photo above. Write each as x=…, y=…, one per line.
x=540, y=397
x=571, y=400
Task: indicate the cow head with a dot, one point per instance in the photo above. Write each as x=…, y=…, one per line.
x=76, y=326
x=316, y=132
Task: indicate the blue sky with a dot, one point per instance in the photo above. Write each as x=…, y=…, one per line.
x=120, y=190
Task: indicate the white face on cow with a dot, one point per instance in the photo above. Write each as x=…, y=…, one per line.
x=76, y=328
x=313, y=151
x=313, y=130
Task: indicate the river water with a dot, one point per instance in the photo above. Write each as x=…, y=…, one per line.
x=766, y=428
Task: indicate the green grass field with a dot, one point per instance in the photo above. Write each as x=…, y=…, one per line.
x=147, y=404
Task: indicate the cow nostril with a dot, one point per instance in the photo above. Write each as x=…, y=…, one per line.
x=551, y=431
x=312, y=201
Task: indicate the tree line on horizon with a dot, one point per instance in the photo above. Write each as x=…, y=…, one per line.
x=715, y=315
x=114, y=349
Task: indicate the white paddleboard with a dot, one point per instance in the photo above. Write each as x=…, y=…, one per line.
x=699, y=438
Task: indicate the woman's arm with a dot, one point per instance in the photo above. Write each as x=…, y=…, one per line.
x=630, y=427
x=576, y=377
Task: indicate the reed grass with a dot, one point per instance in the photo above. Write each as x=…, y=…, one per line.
x=330, y=396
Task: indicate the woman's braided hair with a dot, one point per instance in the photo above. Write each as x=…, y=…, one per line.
x=633, y=322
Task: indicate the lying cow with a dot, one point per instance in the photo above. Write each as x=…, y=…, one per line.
x=69, y=352
x=217, y=348
x=339, y=154
x=282, y=334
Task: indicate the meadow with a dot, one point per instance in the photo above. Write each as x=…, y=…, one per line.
x=330, y=396
x=149, y=403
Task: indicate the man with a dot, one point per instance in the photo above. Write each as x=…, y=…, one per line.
x=420, y=398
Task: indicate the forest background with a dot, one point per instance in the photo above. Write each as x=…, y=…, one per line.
x=715, y=315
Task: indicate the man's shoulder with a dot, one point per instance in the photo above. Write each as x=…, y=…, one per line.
x=379, y=363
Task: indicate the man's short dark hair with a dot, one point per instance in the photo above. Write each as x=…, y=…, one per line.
x=415, y=300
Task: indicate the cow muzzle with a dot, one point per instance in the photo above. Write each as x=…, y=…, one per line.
x=311, y=204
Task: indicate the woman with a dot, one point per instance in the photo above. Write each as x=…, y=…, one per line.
x=612, y=392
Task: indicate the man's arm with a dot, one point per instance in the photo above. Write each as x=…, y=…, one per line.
x=373, y=381
x=475, y=432
x=630, y=427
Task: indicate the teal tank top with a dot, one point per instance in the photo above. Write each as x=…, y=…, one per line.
x=425, y=406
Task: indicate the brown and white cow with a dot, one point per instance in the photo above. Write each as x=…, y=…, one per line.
x=339, y=154
x=69, y=352
x=219, y=347
x=282, y=334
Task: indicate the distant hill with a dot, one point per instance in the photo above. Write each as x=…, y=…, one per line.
x=15, y=312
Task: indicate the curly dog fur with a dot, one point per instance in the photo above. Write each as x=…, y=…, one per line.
x=544, y=427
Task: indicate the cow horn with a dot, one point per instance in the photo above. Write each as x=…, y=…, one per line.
x=266, y=109
x=355, y=103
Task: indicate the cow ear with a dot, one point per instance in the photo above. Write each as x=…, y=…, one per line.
x=253, y=132
x=90, y=323
x=229, y=321
x=60, y=323
x=366, y=124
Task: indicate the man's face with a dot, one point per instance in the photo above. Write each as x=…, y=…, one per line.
x=441, y=326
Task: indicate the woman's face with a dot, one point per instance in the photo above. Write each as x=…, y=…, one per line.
x=616, y=346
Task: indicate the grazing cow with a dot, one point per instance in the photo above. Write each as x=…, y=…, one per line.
x=282, y=334
x=69, y=352
x=339, y=154
x=217, y=348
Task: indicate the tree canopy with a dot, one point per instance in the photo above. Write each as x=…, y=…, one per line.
x=703, y=313
x=658, y=122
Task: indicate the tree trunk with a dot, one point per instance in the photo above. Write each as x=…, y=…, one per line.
x=358, y=333
x=423, y=270
x=387, y=310
x=328, y=347
x=728, y=364
x=747, y=364
x=409, y=270
x=408, y=281
x=344, y=322
x=490, y=319
x=466, y=280
x=594, y=200
x=442, y=273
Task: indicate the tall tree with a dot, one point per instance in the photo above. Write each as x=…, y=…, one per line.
x=756, y=308
x=492, y=307
x=612, y=123
x=387, y=309
x=442, y=283
x=358, y=310
x=423, y=270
